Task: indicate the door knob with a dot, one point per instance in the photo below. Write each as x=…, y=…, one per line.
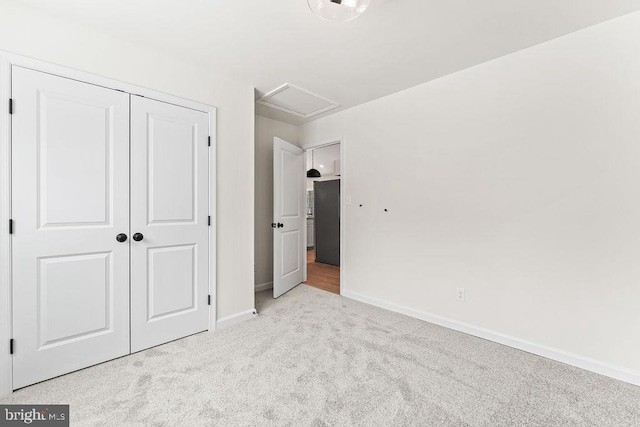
x=280, y=225
x=273, y=225
x=121, y=237
x=138, y=236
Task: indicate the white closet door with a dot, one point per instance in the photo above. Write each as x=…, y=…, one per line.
x=70, y=199
x=169, y=222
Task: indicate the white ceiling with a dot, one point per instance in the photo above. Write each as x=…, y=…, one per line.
x=394, y=45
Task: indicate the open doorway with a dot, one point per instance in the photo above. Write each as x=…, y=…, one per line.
x=323, y=205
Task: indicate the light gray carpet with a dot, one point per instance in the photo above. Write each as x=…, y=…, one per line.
x=313, y=358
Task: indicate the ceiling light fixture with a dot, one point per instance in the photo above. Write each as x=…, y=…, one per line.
x=313, y=173
x=338, y=10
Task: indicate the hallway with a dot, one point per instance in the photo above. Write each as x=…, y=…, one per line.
x=322, y=276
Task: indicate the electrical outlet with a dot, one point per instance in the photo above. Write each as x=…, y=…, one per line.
x=459, y=294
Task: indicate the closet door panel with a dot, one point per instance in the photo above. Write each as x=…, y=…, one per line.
x=169, y=211
x=70, y=199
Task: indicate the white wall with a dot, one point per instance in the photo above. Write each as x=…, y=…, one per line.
x=265, y=130
x=25, y=32
x=518, y=180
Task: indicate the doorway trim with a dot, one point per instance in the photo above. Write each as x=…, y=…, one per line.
x=8, y=59
x=343, y=197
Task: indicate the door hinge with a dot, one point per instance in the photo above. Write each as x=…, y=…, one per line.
x=209, y=141
x=11, y=346
x=209, y=220
x=10, y=105
x=10, y=226
x=209, y=300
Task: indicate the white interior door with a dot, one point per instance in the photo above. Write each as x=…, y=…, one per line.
x=169, y=214
x=289, y=217
x=70, y=199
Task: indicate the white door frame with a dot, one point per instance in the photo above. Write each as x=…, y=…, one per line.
x=6, y=61
x=343, y=198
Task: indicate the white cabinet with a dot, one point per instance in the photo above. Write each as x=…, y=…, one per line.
x=310, y=212
x=309, y=233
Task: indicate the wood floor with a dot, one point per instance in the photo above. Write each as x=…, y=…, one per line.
x=322, y=276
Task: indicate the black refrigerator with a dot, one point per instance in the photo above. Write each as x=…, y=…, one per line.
x=326, y=202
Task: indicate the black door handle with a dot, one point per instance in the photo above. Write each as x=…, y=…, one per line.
x=273, y=225
x=121, y=237
x=280, y=225
x=138, y=236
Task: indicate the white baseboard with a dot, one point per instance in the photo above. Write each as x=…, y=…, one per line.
x=617, y=372
x=264, y=286
x=236, y=318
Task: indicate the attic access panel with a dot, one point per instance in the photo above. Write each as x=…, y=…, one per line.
x=297, y=101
